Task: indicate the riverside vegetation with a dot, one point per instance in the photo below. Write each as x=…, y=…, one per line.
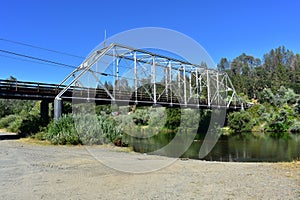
x=272, y=87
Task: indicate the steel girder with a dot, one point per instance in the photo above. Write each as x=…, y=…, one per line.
x=119, y=73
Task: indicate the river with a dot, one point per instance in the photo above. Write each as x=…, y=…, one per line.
x=228, y=149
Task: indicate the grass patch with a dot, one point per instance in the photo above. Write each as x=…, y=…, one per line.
x=34, y=141
x=294, y=165
x=4, y=130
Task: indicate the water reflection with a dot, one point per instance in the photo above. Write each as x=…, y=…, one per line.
x=228, y=149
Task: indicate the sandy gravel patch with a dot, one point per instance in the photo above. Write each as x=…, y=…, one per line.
x=37, y=171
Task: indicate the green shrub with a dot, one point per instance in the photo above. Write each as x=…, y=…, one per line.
x=39, y=136
x=25, y=126
x=15, y=125
x=89, y=129
x=110, y=129
x=280, y=121
x=30, y=124
x=83, y=129
x=141, y=116
x=94, y=129
x=295, y=128
x=157, y=117
x=27, y=121
x=7, y=120
x=63, y=131
x=240, y=122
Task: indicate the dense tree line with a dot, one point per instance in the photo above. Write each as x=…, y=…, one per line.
x=274, y=86
x=250, y=75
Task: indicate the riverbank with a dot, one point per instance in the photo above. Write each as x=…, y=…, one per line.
x=35, y=171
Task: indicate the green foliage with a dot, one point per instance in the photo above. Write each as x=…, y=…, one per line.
x=276, y=116
x=7, y=120
x=31, y=121
x=295, y=127
x=67, y=107
x=267, y=96
x=280, y=67
x=141, y=116
x=4, y=109
x=11, y=106
x=125, y=123
x=63, y=131
x=173, y=118
x=15, y=125
x=240, y=122
x=297, y=107
x=110, y=129
x=205, y=116
x=281, y=120
x=190, y=118
x=39, y=136
x=157, y=117
x=29, y=125
x=89, y=129
x=144, y=116
x=83, y=129
x=26, y=122
x=103, y=109
x=256, y=110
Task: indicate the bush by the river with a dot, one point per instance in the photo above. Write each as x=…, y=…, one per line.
x=295, y=128
x=63, y=131
x=83, y=129
x=276, y=115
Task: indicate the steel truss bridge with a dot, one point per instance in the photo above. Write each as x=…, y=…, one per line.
x=125, y=75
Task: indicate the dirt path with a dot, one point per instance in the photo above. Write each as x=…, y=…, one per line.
x=30, y=171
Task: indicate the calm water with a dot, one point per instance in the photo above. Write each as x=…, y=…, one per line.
x=231, y=149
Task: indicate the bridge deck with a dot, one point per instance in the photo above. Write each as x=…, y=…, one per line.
x=44, y=91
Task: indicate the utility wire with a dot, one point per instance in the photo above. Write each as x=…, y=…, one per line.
x=41, y=48
x=39, y=59
x=27, y=60
x=49, y=62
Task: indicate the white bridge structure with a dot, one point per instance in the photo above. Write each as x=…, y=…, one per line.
x=125, y=75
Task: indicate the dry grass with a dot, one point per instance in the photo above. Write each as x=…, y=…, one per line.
x=289, y=169
x=34, y=141
x=294, y=165
x=45, y=142
x=3, y=130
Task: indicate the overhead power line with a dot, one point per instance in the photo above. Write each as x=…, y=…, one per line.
x=36, y=58
x=41, y=48
x=47, y=61
x=27, y=60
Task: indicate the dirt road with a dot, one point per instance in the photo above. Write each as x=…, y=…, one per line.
x=31, y=171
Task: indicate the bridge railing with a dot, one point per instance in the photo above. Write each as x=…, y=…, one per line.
x=11, y=86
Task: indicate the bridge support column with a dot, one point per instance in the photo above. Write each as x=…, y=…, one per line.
x=58, y=105
x=45, y=111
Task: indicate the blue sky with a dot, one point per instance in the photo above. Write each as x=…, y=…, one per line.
x=224, y=28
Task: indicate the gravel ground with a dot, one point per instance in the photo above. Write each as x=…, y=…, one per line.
x=33, y=171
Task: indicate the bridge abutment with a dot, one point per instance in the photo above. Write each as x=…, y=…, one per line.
x=58, y=106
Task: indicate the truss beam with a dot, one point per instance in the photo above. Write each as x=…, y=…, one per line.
x=120, y=73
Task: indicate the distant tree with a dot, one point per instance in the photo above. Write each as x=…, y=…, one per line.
x=223, y=65
x=242, y=74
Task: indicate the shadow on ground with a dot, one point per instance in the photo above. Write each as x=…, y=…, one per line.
x=9, y=136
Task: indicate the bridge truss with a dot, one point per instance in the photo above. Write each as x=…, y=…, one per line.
x=123, y=74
